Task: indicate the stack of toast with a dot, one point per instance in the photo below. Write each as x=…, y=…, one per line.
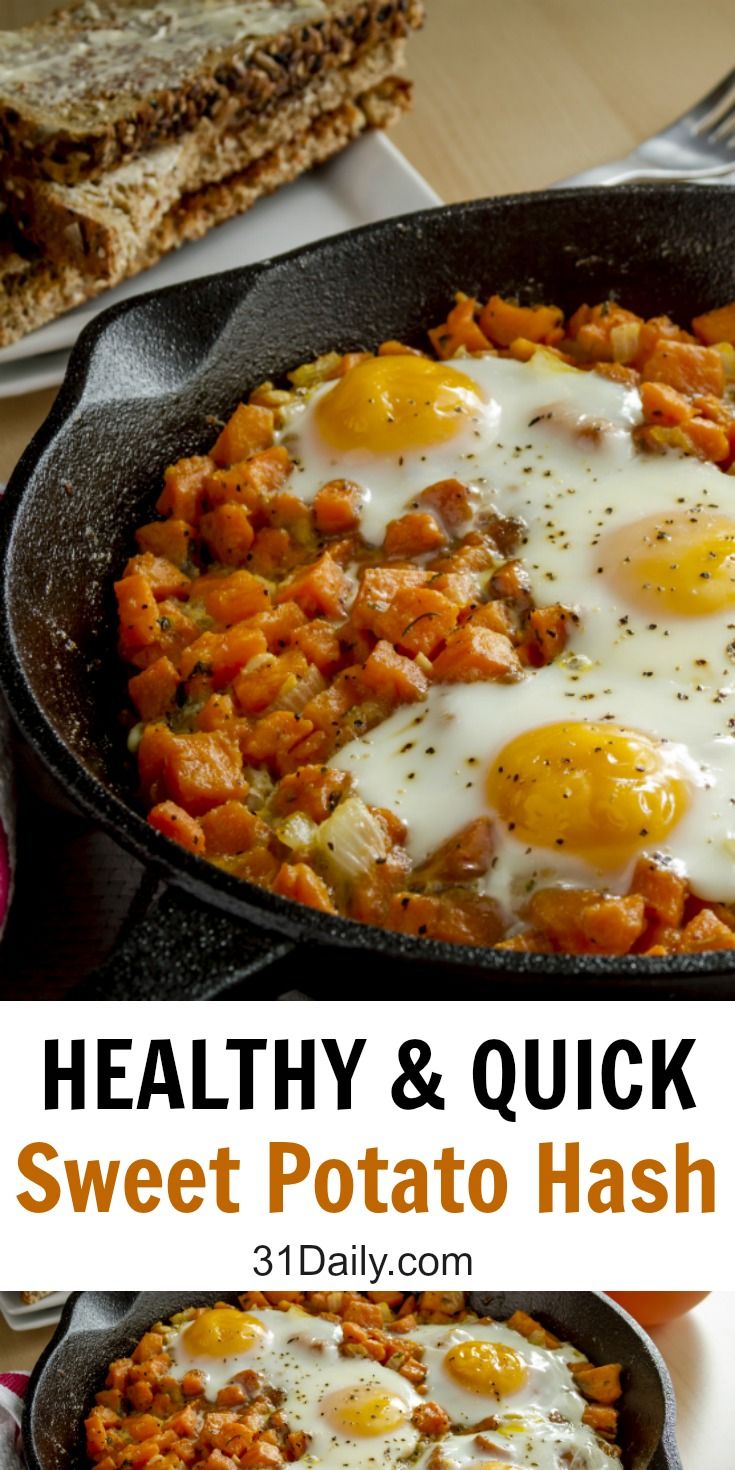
x=128, y=128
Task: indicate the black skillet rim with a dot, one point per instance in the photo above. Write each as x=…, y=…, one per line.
x=215, y=888
x=666, y=1444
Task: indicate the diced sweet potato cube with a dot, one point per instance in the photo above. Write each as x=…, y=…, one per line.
x=233, y=597
x=512, y=582
x=602, y=1419
x=278, y=624
x=503, y=320
x=261, y=1456
x=273, y=739
x=716, y=326
x=257, y=687
x=313, y=790
x=415, y=618
x=413, y=534
x=663, y=891
x=614, y=924
x=223, y=655
x=202, y=770
x=547, y=633
x=174, y=631
x=475, y=653
x=430, y=1419
x=601, y=1384
x=494, y=615
x=299, y=882
x=327, y=708
x=172, y=539
x=452, y=501
x=172, y=821
x=392, y=676
x=319, y=588
x=379, y=588
x=156, y=744
x=707, y=439
x=216, y=713
x=268, y=470
x=288, y=512
x=249, y=481
x=319, y=642
x=272, y=552
x=232, y=828
x=584, y=922
x=464, y=856
x=163, y=576
x=533, y=1330
x=337, y=507
x=138, y=614
x=460, y=918
x=153, y=690
x=687, y=367
x=460, y=330
x=663, y=404
x=365, y=1314
x=249, y=429
x=705, y=932
x=228, y=533
x=183, y=488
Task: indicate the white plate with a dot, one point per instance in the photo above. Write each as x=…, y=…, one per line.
x=24, y=1317
x=371, y=180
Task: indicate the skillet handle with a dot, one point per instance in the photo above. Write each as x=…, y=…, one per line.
x=180, y=950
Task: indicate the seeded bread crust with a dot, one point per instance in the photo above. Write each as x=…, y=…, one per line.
x=99, y=227
x=35, y=290
x=69, y=112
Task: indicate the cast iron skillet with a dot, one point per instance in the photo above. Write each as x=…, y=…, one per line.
x=99, y=1326
x=139, y=388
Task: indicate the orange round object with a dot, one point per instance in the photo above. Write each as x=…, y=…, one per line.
x=653, y=1308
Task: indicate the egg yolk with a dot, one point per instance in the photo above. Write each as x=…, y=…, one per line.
x=365, y=1411
x=683, y=563
x=599, y=791
x=392, y=405
x=487, y=1368
x=221, y=1333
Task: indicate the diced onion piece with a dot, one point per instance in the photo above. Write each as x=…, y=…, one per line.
x=135, y=736
x=260, y=787
x=727, y=353
x=295, y=693
x=297, y=832
x=352, y=840
x=311, y=373
x=624, y=341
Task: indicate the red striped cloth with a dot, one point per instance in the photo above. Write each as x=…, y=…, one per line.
x=6, y=818
x=12, y=1391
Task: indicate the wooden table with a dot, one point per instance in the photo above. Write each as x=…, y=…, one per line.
x=514, y=96
x=699, y=1350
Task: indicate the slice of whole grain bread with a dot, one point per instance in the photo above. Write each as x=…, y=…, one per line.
x=100, y=227
x=34, y=289
x=92, y=86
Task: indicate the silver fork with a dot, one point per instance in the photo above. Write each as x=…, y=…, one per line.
x=699, y=145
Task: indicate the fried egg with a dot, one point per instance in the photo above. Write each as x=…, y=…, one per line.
x=531, y=1440
x=355, y=1412
x=626, y=744
x=481, y=1369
